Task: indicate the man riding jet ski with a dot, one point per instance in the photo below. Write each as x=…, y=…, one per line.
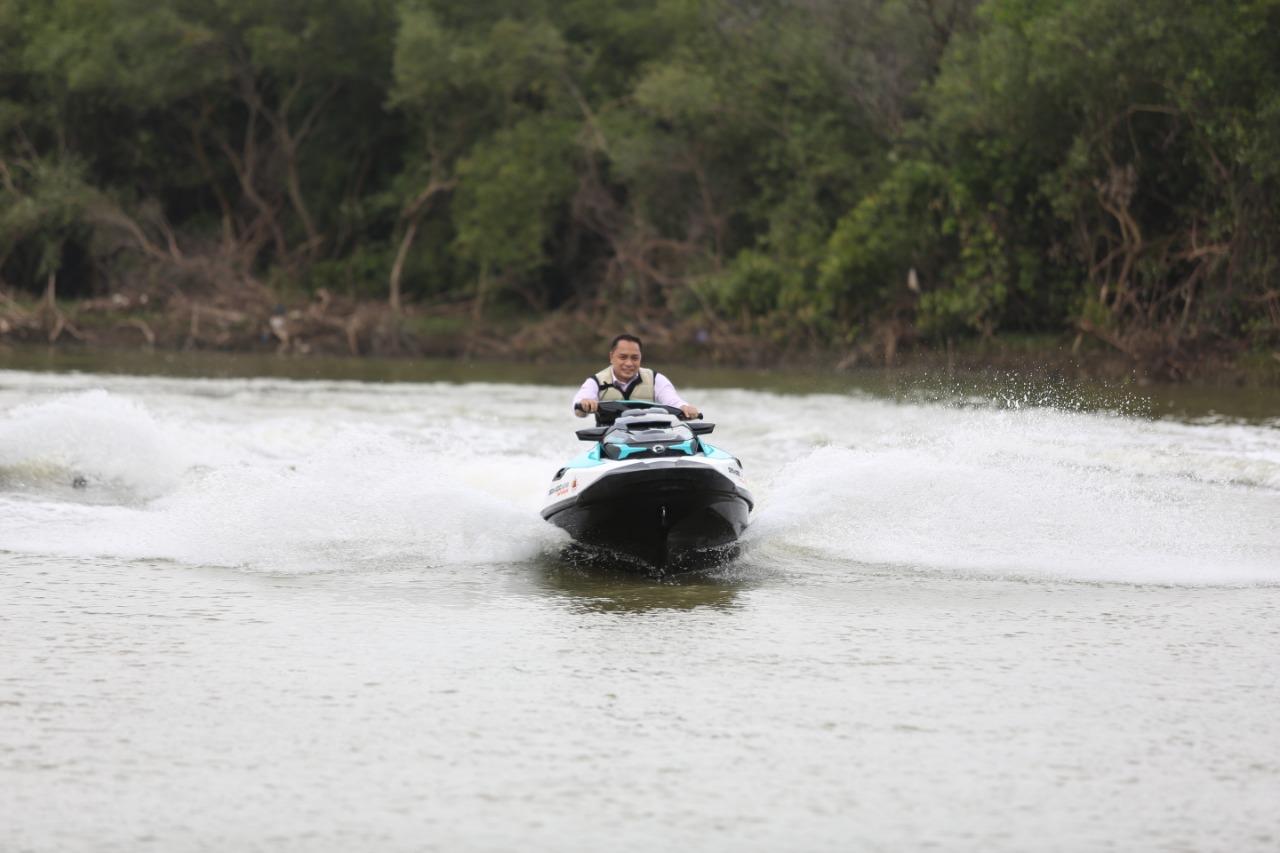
x=625, y=379
x=651, y=487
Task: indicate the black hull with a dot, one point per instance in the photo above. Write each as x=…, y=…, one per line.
x=664, y=513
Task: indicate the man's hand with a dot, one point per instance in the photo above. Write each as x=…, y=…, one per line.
x=586, y=407
x=689, y=412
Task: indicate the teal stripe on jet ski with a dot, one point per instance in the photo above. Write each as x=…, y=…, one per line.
x=626, y=450
x=713, y=452
x=590, y=459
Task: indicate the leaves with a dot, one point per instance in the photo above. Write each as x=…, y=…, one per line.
x=511, y=188
x=779, y=167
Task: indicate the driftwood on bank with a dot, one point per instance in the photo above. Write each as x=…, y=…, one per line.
x=248, y=319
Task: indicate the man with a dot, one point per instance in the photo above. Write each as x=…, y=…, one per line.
x=625, y=379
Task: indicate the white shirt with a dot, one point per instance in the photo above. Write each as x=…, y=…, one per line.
x=663, y=391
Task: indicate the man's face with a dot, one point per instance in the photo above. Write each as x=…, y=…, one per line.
x=625, y=360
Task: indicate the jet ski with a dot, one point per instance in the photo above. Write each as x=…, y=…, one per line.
x=651, y=487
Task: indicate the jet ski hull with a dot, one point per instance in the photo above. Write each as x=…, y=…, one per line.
x=665, y=512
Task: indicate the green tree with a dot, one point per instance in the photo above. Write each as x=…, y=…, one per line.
x=1124, y=146
x=480, y=98
x=177, y=104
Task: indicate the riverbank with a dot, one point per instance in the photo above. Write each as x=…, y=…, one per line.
x=252, y=321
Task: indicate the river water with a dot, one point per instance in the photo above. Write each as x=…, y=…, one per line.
x=313, y=615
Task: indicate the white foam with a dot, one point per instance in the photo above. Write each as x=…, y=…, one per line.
x=111, y=443
x=1039, y=494
x=323, y=476
x=356, y=504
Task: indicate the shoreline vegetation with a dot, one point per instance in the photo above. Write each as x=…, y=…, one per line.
x=325, y=327
x=831, y=185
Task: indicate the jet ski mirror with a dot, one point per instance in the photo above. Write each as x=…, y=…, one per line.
x=592, y=433
x=701, y=427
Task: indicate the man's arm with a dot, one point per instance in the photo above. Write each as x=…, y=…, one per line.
x=665, y=393
x=589, y=396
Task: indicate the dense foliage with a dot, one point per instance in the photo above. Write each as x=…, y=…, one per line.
x=808, y=172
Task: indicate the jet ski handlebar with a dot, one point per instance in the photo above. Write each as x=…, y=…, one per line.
x=610, y=410
x=632, y=415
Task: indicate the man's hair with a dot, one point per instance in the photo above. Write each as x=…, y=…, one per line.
x=620, y=338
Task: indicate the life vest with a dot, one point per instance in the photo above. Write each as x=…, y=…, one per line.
x=640, y=390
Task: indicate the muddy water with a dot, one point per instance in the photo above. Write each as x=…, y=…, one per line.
x=323, y=614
